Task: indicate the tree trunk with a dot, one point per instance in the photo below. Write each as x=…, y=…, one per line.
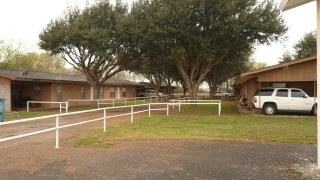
x=212, y=92
x=96, y=93
x=184, y=91
x=193, y=91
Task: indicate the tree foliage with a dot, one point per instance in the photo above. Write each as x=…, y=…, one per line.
x=197, y=35
x=286, y=57
x=14, y=58
x=307, y=46
x=92, y=40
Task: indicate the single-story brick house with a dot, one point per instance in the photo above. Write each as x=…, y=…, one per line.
x=17, y=87
x=300, y=73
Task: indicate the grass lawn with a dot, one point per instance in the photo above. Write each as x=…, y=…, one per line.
x=226, y=127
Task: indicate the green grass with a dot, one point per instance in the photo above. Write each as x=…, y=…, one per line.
x=227, y=107
x=9, y=116
x=230, y=127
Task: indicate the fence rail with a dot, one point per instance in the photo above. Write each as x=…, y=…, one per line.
x=149, y=108
x=49, y=102
x=100, y=102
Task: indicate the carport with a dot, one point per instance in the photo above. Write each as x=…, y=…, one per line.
x=294, y=74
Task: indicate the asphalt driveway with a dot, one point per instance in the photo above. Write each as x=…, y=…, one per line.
x=160, y=160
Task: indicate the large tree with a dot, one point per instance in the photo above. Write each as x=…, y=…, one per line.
x=199, y=34
x=92, y=40
x=233, y=65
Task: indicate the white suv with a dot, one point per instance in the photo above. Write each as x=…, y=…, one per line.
x=271, y=100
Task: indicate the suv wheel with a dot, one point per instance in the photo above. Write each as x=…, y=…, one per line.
x=269, y=109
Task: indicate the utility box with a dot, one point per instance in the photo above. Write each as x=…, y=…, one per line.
x=2, y=110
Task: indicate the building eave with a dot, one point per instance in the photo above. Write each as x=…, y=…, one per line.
x=290, y=4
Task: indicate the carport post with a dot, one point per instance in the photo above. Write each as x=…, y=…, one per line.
x=318, y=84
x=104, y=120
x=57, y=132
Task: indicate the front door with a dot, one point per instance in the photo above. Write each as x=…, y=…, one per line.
x=282, y=99
x=300, y=101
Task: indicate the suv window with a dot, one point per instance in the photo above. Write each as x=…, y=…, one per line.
x=297, y=93
x=264, y=92
x=282, y=93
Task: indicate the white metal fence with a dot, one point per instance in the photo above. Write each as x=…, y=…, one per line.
x=149, y=108
x=62, y=105
x=102, y=102
x=186, y=100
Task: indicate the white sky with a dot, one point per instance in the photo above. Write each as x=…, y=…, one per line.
x=21, y=22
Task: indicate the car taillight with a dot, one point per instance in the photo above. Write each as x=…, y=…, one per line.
x=254, y=99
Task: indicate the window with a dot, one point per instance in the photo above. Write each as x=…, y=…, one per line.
x=36, y=90
x=297, y=93
x=265, y=92
x=82, y=93
x=59, y=93
x=124, y=92
x=101, y=93
x=282, y=93
x=112, y=94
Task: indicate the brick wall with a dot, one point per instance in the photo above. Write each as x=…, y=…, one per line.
x=5, y=92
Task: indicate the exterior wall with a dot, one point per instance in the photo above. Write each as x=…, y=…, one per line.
x=21, y=92
x=306, y=71
x=5, y=92
x=130, y=92
x=249, y=88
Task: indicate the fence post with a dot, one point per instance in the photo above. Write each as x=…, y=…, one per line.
x=179, y=105
x=219, y=109
x=104, y=120
x=112, y=102
x=60, y=108
x=67, y=107
x=174, y=102
x=27, y=106
x=168, y=109
x=57, y=132
x=131, y=114
x=149, y=110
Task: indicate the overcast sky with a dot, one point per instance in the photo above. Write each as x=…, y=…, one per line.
x=22, y=21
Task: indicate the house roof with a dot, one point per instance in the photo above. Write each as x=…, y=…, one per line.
x=244, y=77
x=290, y=4
x=21, y=75
x=148, y=84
